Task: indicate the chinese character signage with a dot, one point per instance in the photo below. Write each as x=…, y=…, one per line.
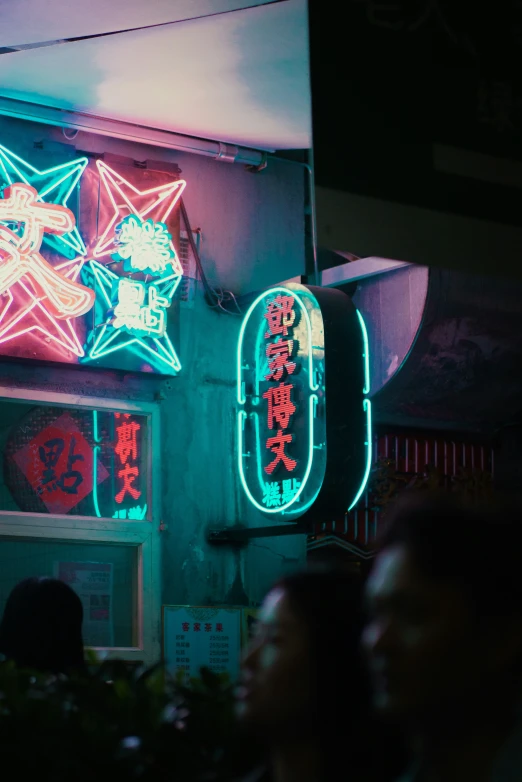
x=90, y=280
x=201, y=637
x=80, y=462
x=303, y=427
x=58, y=465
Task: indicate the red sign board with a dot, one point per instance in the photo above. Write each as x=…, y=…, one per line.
x=58, y=464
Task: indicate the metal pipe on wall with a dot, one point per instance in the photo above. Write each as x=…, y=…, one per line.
x=218, y=150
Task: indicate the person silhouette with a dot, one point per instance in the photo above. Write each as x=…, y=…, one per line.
x=41, y=628
x=304, y=693
x=444, y=636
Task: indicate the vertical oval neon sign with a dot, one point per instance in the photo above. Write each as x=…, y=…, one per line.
x=290, y=399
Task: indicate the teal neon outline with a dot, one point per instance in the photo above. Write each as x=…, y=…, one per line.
x=76, y=166
x=96, y=438
x=367, y=408
x=165, y=353
x=241, y=416
x=366, y=354
x=242, y=399
x=254, y=304
x=258, y=451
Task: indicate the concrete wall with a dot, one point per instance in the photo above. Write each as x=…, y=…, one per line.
x=252, y=236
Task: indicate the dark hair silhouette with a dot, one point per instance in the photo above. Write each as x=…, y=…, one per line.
x=41, y=628
x=329, y=602
x=477, y=548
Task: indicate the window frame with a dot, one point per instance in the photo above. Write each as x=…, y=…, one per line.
x=143, y=535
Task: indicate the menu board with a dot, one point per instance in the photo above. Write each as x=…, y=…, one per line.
x=198, y=636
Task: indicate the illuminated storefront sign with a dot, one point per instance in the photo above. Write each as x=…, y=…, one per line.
x=304, y=422
x=70, y=297
x=126, y=449
x=81, y=462
x=131, y=314
x=27, y=281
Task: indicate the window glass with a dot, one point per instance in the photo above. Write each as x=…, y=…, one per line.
x=103, y=575
x=61, y=460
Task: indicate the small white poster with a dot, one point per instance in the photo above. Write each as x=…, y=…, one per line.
x=92, y=582
x=195, y=637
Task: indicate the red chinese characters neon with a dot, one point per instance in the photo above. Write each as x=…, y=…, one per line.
x=278, y=354
x=126, y=449
x=280, y=316
x=280, y=405
x=277, y=446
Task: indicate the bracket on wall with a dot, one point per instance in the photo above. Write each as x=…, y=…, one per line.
x=241, y=535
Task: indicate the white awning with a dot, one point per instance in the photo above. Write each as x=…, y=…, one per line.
x=236, y=72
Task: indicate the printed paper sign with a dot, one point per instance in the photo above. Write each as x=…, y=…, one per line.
x=196, y=637
x=58, y=463
x=92, y=582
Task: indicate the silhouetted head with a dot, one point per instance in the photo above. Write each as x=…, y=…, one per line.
x=444, y=633
x=303, y=677
x=42, y=626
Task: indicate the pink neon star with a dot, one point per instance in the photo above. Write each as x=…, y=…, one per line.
x=13, y=322
x=155, y=203
x=50, y=297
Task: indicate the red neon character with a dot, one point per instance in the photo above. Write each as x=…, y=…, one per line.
x=185, y=626
x=208, y=628
x=127, y=444
x=279, y=352
x=219, y=627
x=277, y=445
x=128, y=474
x=280, y=405
x=280, y=315
x=197, y=627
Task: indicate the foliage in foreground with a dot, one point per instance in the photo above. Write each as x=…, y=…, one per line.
x=116, y=724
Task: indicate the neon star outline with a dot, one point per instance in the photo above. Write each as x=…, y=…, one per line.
x=26, y=269
x=161, y=349
x=116, y=185
x=15, y=169
x=62, y=332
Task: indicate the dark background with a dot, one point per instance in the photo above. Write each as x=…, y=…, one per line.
x=393, y=78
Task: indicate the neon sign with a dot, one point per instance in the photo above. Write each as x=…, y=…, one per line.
x=154, y=203
x=59, y=303
x=126, y=450
x=132, y=313
x=303, y=423
x=28, y=280
x=146, y=245
x=281, y=425
x=280, y=315
x=55, y=186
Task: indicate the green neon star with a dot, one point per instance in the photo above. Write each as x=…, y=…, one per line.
x=105, y=339
x=55, y=185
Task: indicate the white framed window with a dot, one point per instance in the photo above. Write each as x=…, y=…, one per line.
x=80, y=500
